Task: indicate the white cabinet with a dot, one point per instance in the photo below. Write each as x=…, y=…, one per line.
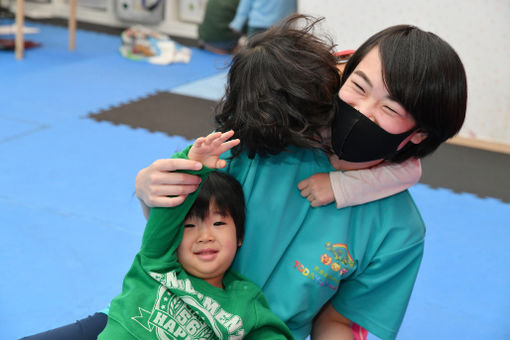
x=180, y=17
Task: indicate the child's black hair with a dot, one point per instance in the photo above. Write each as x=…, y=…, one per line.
x=227, y=195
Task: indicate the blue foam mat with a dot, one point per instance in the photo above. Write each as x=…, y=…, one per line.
x=463, y=288
x=54, y=52
x=60, y=229
x=12, y=128
x=48, y=86
x=212, y=88
x=60, y=267
x=68, y=166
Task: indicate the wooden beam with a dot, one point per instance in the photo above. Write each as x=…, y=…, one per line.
x=72, y=25
x=19, y=42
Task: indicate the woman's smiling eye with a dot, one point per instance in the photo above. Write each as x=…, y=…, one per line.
x=189, y=225
x=358, y=86
x=390, y=110
x=394, y=111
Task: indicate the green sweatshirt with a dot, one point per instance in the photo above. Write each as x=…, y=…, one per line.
x=159, y=300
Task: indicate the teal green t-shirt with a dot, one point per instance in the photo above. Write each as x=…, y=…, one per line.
x=364, y=259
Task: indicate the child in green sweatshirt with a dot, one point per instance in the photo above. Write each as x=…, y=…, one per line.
x=180, y=285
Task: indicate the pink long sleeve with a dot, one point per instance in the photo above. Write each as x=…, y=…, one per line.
x=362, y=186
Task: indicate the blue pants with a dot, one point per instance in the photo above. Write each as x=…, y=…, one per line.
x=84, y=329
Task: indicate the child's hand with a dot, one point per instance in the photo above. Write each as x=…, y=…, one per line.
x=317, y=189
x=207, y=150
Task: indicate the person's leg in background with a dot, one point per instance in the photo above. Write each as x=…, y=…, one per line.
x=214, y=32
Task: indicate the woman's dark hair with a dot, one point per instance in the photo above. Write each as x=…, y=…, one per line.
x=280, y=89
x=426, y=76
x=227, y=195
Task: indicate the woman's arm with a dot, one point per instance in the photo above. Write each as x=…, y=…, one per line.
x=330, y=325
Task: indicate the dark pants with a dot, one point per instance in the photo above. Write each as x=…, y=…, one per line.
x=84, y=329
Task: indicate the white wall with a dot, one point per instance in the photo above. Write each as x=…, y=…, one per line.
x=479, y=30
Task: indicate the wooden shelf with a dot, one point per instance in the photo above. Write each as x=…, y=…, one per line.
x=20, y=18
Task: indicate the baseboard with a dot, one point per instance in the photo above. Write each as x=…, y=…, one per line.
x=480, y=144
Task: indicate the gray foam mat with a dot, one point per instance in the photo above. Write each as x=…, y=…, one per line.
x=165, y=112
x=461, y=169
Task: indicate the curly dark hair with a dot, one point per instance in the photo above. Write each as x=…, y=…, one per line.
x=281, y=89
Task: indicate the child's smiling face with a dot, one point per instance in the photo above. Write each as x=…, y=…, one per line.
x=208, y=246
x=366, y=91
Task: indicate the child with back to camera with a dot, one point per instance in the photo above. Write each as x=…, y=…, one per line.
x=180, y=285
x=281, y=91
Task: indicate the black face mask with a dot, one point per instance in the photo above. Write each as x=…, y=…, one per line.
x=355, y=138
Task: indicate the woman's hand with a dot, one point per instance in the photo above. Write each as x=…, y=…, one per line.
x=158, y=181
x=155, y=183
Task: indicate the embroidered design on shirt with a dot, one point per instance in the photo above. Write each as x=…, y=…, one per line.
x=172, y=317
x=339, y=261
x=318, y=279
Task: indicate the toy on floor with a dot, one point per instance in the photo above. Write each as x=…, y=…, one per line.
x=8, y=44
x=142, y=44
